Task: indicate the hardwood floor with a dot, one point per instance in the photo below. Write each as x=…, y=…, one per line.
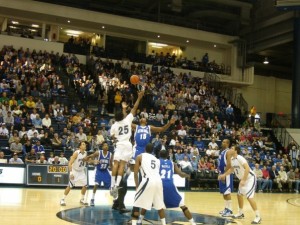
x=38, y=206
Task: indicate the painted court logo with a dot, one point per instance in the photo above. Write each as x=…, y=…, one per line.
x=104, y=215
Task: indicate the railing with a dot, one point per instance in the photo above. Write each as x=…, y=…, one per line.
x=240, y=102
x=280, y=125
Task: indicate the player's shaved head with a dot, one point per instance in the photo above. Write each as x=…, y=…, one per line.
x=149, y=148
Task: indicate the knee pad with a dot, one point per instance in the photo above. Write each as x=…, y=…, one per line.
x=184, y=208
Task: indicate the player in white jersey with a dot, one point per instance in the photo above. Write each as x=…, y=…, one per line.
x=241, y=169
x=121, y=132
x=78, y=177
x=149, y=192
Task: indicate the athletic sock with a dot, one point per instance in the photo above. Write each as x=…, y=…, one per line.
x=63, y=198
x=82, y=197
x=133, y=222
x=113, y=181
x=192, y=221
x=141, y=217
x=93, y=195
x=257, y=214
x=241, y=211
x=119, y=178
x=163, y=221
x=229, y=204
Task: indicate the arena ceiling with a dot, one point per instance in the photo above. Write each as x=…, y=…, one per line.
x=263, y=29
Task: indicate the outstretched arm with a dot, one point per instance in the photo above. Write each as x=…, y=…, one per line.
x=180, y=173
x=163, y=128
x=136, y=104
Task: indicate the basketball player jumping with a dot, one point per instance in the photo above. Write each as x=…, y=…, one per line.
x=247, y=184
x=121, y=132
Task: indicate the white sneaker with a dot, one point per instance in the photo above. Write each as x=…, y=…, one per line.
x=257, y=220
x=238, y=216
x=82, y=202
x=62, y=202
x=222, y=212
x=114, y=192
x=227, y=213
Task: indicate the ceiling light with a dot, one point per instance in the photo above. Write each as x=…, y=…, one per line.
x=69, y=21
x=187, y=41
x=13, y=27
x=74, y=35
x=73, y=32
x=158, y=36
x=103, y=27
x=33, y=30
x=266, y=61
x=35, y=25
x=14, y=22
x=153, y=44
x=215, y=46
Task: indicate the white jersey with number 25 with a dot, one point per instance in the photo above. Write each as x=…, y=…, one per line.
x=121, y=130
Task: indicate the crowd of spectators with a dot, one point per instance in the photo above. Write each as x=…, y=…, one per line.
x=204, y=117
x=39, y=127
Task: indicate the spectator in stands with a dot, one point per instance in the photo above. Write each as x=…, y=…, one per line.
x=37, y=122
x=268, y=182
x=31, y=157
x=8, y=120
x=62, y=159
x=46, y=141
x=282, y=178
x=35, y=138
x=291, y=178
x=259, y=176
x=39, y=105
x=194, y=163
x=199, y=144
x=297, y=180
x=46, y=122
x=2, y=156
x=16, y=146
x=30, y=103
x=205, y=60
x=294, y=154
x=30, y=133
x=41, y=160
x=39, y=149
x=82, y=136
x=4, y=133
x=15, y=159
x=186, y=165
x=213, y=144
x=56, y=141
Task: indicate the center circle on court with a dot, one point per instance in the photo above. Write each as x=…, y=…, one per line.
x=104, y=215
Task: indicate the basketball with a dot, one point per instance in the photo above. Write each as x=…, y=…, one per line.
x=134, y=79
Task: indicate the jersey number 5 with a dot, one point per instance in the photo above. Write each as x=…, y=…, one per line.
x=123, y=130
x=153, y=165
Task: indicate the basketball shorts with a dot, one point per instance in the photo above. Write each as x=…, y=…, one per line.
x=172, y=198
x=248, y=189
x=226, y=186
x=80, y=179
x=137, y=151
x=148, y=194
x=103, y=177
x=123, y=151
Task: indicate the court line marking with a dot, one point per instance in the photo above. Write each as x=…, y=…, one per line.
x=296, y=200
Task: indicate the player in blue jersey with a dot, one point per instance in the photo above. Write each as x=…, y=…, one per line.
x=226, y=185
x=102, y=160
x=142, y=135
x=172, y=198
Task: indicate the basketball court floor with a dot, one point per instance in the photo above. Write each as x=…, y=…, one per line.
x=40, y=206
